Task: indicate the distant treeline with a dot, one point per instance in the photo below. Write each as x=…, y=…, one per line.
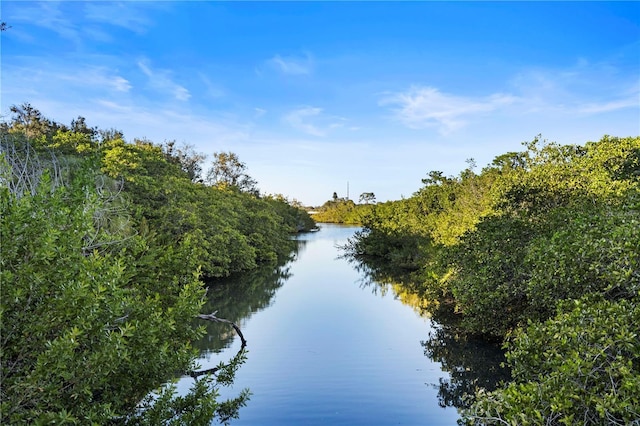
x=104, y=244
x=540, y=249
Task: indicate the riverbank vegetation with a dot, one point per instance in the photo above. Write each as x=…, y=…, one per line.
x=339, y=211
x=104, y=245
x=540, y=250
x=345, y=210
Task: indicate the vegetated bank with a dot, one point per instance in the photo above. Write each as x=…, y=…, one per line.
x=104, y=244
x=540, y=250
x=342, y=210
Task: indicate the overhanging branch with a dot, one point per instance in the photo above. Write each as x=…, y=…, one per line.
x=214, y=318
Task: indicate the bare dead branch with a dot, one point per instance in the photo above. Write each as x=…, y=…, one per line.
x=214, y=318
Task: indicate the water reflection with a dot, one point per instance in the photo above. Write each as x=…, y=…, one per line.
x=327, y=352
x=238, y=297
x=403, y=285
x=472, y=363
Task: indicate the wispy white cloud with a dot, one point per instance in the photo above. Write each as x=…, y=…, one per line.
x=421, y=107
x=292, y=65
x=312, y=121
x=181, y=93
x=583, y=89
x=72, y=22
x=120, y=84
x=98, y=78
x=48, y=15
x=169, y=122
x=128, y=15
x=536, y=95
x=212, y=90
x=34, y=76
x=160, y=80
x=97, y=33
x=597, y=108
x=114, y=107
x=298, y=119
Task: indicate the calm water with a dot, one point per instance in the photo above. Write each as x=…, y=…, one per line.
x=324, y=349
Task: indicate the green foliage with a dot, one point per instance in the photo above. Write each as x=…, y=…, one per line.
x=342, y=211
x=69, y=142
x=567, y=227
x=446, y=208
x=534, y=231
x=487, y=283
x=187, y=158
x=199, y=406
x=234, y=230
x=79, y=323
x=593, y=249
x=367, y=197
x=580, y=367
x=561, y=175
x=411, y=231
x=401, y=250
x=294, y=217
x=552, y=223
x=30, y=122
x=103, y=245
x=228, y=172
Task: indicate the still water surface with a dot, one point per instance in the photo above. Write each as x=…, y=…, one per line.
x=323, y=348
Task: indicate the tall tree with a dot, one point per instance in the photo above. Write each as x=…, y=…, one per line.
x=30, y=121
x=367, y=197
x=187, y=158
x=227, y=171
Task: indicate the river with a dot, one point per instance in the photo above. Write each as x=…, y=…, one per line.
x=324, y=346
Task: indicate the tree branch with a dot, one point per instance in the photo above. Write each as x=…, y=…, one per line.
x=213, y=317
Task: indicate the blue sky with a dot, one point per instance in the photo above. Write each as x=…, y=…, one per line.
x=312, y=95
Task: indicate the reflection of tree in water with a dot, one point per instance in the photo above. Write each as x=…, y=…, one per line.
x=403, y=284
x=236, y=298
x=472, y=363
